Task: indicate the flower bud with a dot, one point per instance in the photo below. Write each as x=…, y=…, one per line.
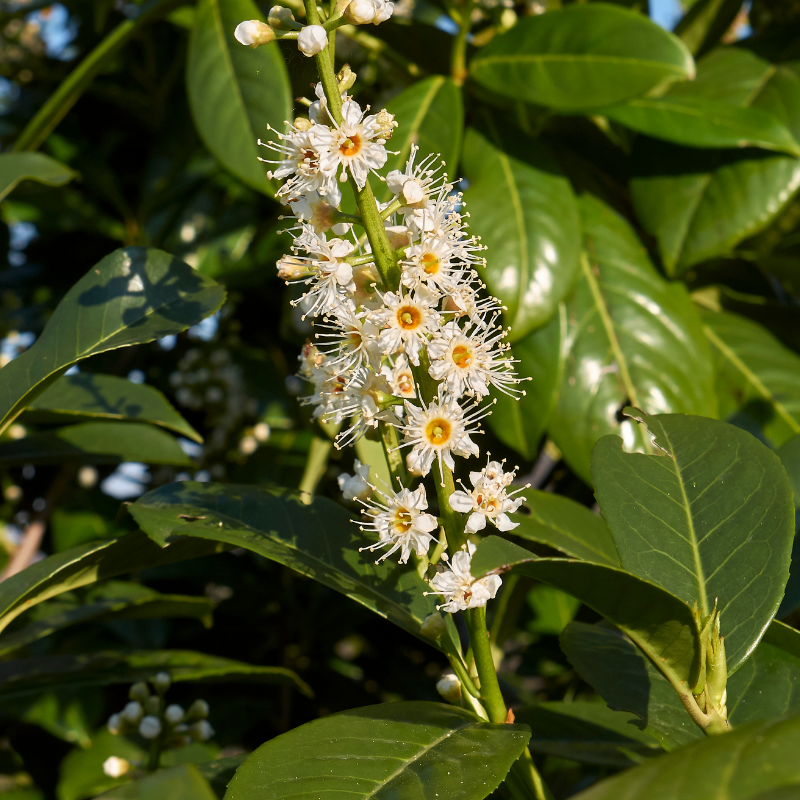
x=149, y=727
x=433, y=627
x=360, y=12
x=139, y=691
x=386, y=124
x=197, y=710
x=290, y=268
x=413, y=191
x=279, y=17
x=116, y=767
x=254, y=33
x=383, y=11
x=152, y=705
x=132, y=712
x=162, y=682
x=201, y=731
x=173, y=714
x=114, y=724
x=449, y=687
x=312, y=40
x=303, y=124
x=346, y=78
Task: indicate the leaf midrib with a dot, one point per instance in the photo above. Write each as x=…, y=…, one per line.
x=588, y=57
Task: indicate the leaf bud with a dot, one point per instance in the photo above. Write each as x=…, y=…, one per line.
x=149, y=727
x=312, y=39
x=132, y=712
x=162, y=682
x=254, y=33
x=449, y=687
x=360, y=12
x=139, y=691
x=197, y=710
x=279, y=17
x=173, y=714
x=433, y=627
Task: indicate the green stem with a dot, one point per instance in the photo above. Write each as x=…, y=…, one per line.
x=67, y=94
x=525, y=772
x=394, y=457
x=154, y=754
x=463, y=676
x=385, y=256
x=458, y=55
x=491, y=696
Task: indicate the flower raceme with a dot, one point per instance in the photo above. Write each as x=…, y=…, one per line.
x=419, y=355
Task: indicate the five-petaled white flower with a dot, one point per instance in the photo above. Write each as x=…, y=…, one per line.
x=459, y=588
x=407, y=321
x=489, y=499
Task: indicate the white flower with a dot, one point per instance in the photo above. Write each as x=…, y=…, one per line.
x=254, y=33
x=116, y=767
x=439, y=430
x=312, y=39
x=407, y=320
x=362, y=399
x=149, y=727
x=489, y=499
x=464, y=301
x=433, y=263
x=401, y=378
x=401, y=523
x=314, y=209
x=469, y=361
x=332, y=277
x=173, y=714
x=355, y=487
x=353, y=145
x=353, y=339
x=449, y=687
x=459, y=588
x=417, y=184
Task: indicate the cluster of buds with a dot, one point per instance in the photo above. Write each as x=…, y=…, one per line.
x=311, y=39
x=148, y=715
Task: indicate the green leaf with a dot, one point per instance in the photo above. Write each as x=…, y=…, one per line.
x=553, y=609
x=407, y=751
x=755, y=374
x=709, y=519
x=567, y=526
x=632, y=338
x=133, y=295
x=524, y=210
x=699, y=205
x=236, y=92
x=705, y=23
x=319, y=540
x=184, y=782
x=31, y=675
x=581, y=57
x=734, y=766
x=92, y=396
x=660, y=624
x=89, y=563
x=700, y=122
x=96, y=443
x=588, y=732
x=789, y=454
x=17, y=167
x=542, y=354
x=117, y=601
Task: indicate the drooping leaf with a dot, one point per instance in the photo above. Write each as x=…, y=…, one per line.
x=632, y=338
x=31, y=675
x=89, y=563
x=318, y=540
x=92, y=396
x=710, y=519
x=660, y=623
x=183, y=782
x=736, y=766
x=96, y=443
x=236, y=92
x=407, y=751
x=524, y=210
x=587, y=732
x=755, y=373
x=700, y=205
x=701, y=122
x=117, y=601
x=581, y=57
x=567, y=526
x=133, y=295
x=17, y=167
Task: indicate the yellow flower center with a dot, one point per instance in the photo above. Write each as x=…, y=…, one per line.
x=409, y=317
x=402, y=521
x=430, y=263
x=405, y=383
x=462, y=356
x=351, y=145
x=438, y=431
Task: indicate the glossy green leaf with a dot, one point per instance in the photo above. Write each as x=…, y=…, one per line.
x=789, y=454
x=553, y=609
x=31, y=675
x=755, y=373
x=17, y=167
x=706, y=22
x=402, y=751
x=700, y=205
x=661, y=624
x=632, y=338
x=90, y=563
x=92, y=396
x=117, y=600
x=581, y=57
x=236, y=92
x=183, y=782
x=567, y=526
x=520, y=422
x=96, y=443
x=710, y=518
x=700, y=122
x=133, y=295
x=587, y=732
x=524, y=210
x=735, y=766
x=319, y=540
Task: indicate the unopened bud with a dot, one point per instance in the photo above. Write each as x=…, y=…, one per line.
x=254, y=33
x=116, y=767
x=114, y=724
x=197, y=710
x=433, y=627
x=132, y=712
x=346, y=78
x=149, y=728
x=162, y=682
x=201, y=731
x=290, y=268
x=386, y=124
x=173, y=714
x=449, y=687
x=312, y=39
x=303, y=124
x=413, y=191
x=360, y=12
x=139, y=691
x=383, y=11
x=279, y=17
x=153, y=704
